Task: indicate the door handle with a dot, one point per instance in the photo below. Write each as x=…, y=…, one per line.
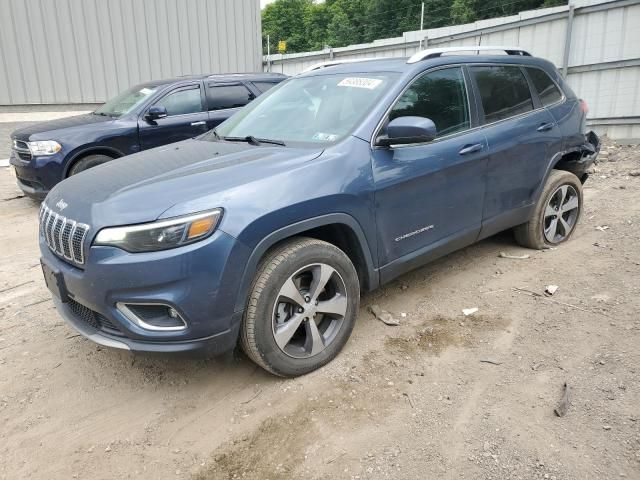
x=470, y=149
x=195, y=124
x=545, y=127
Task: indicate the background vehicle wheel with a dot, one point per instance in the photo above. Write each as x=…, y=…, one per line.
x=88, y=162
x=302, y=307
x=555, y=215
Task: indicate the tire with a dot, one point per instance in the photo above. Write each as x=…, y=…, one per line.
x=271, y=316
x=90, y=161
x=561, y=199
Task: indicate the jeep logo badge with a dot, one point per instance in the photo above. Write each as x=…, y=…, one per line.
x=62, y=204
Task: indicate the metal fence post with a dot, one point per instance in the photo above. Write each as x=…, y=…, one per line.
x=567, y=41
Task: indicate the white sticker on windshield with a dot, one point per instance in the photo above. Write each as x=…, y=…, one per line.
x=146, y=91
x=325, y=137
x=360, y=82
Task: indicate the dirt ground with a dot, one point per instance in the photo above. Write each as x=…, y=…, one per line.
x=417, y=401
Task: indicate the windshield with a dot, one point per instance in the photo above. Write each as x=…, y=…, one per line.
x=320, y=109
x=126, y=101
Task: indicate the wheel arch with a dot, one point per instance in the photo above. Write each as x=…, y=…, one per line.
x=95, y=150
x=567, y=160
x=339, y=229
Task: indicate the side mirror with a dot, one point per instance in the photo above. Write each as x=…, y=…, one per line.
x=156, y=112
x=407, y=130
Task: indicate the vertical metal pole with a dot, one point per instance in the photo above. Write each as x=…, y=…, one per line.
x=421, y=26
x=567, y=42
x=268, y=54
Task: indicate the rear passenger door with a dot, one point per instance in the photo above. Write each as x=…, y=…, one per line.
x=225, y=99
x=429, y=196
x=522, y=136
x=186, y=118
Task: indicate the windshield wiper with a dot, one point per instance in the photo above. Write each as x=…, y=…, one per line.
x=102, y=114
x=254, y=141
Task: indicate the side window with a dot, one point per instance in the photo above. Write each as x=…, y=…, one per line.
x=264, y=86
x=228, y=96
x=547, y=90
x=441, y=96
x=504, y=92
x=181, y=102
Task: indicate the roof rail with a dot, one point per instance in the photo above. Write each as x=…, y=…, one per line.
x=436, y=52
x=331, y=63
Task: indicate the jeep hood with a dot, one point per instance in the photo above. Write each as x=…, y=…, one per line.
x=56, y=129
x=190, y=176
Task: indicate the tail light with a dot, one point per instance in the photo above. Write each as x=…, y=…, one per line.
x=584, y=108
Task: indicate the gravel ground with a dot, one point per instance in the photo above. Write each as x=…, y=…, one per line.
x=440, y=396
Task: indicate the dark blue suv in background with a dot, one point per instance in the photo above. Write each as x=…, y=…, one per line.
x=267, y=229
x=145, y=116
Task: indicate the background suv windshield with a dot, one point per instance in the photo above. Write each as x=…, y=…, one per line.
x=126, y=101
x=318, y=109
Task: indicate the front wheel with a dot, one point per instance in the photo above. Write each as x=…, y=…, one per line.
x=556, y=214
x=88, y=162
x=302, y=307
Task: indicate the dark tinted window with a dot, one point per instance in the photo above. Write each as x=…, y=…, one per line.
x=264, y=86
x=181, y=102
x=504, y=92
x=441, y=96
x=228, y=96
x=547, y=90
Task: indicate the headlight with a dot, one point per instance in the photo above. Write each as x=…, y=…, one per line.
x=46, y=147
x=161, y=235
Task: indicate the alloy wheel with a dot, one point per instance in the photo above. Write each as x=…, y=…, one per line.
x=309, y=310
x=561, y=214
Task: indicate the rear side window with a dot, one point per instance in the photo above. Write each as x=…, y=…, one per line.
x=440, y=96
x=546, y=88
x=182, y=102
x=220, y=97
x=264, y=86
x=504, y=92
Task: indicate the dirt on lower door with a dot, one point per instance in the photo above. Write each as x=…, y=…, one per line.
x=442, y=395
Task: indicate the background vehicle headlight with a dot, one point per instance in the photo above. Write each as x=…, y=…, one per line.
x=161, y=235
x=45, y=147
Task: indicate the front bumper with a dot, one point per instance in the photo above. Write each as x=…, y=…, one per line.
x=200, y=281
x=39, y=175
x=213, y=344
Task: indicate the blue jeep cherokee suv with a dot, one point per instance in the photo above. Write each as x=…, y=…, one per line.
x=266, y=229
x=143, y=117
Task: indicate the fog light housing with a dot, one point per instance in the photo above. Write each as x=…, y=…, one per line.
x=157, y=317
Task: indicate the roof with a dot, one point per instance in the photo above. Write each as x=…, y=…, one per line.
x=424, y=58
x=221, y=77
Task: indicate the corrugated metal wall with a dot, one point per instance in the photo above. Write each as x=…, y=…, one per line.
x=603, y=65
x=86, y=51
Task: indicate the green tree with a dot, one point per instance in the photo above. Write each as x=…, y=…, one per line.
x=463, y=11
x=284, y=20
x=347, y=24
x=307, y=25
x=316, y=22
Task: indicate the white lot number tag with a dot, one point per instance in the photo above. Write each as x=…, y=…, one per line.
x=360, y=82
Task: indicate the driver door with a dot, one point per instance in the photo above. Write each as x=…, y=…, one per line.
x=429, y=196
x=186, y=118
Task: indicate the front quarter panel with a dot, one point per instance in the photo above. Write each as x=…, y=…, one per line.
x=333, y=188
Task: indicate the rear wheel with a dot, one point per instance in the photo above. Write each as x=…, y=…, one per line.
x=302, y=307
x=88, y=162
x=555, y=215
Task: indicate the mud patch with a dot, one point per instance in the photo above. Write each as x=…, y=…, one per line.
x=271, y=452
x=440, y=333
x=284, y=447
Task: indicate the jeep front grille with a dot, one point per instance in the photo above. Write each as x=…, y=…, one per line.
x=64, y=236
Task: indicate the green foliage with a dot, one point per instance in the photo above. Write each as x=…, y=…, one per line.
x=306, y=25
